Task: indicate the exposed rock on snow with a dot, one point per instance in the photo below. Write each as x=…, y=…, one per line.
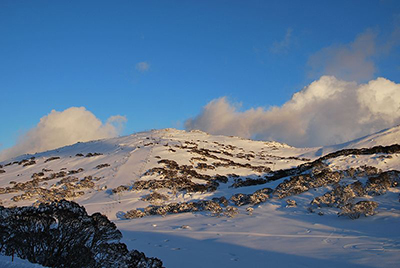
x=354, y=211
x=174, y=208
x=291, y=203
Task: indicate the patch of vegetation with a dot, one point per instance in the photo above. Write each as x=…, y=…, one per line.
x=62, y=234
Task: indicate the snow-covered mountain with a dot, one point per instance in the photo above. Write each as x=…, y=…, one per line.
x=246, y=202
x=384, y=138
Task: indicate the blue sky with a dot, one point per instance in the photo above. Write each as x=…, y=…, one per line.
x=60, y=54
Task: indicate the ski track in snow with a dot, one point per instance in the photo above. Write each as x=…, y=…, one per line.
x=260, y=234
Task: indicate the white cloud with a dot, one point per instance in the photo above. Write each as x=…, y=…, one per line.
x=143, y=66
x=328, y=111
x=352, y=62
x=58, y=129
x=283, y=45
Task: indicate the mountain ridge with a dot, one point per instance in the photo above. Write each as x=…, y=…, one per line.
x=174, y=185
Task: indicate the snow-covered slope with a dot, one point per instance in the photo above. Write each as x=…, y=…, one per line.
x=163, y=167
x=384, y=137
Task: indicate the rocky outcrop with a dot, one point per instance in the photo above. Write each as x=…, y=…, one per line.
x=340, y=195
x=255, y=198
x=51, y=159
x=354, y=211
x=174, y=208
x=301, y=183
x=102, y=166
x=155, y=198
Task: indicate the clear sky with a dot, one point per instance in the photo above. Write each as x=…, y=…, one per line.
x=159, y=62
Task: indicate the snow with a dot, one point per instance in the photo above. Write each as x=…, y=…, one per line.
x=6, y=262
x=384, y=137
x=274, y=235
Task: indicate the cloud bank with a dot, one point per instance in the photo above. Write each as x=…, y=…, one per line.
x=328, y=111
x=58, y=129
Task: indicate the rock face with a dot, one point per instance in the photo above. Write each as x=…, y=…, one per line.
x=354, y=211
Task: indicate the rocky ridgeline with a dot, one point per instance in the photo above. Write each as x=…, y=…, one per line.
x=282, y=173
x=302, y=169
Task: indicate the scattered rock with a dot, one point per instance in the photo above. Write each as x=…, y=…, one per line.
x=248, y=182
x=354, y=211
x=29, y=163
x=291, y=203
x=51, y=159
x=231, y=211
x=221, y=200
x=92, y=154
x=174, y=208
x=255, y=198
x=378, y=185
x=102, y=166
x=301, y=183
x=250, y=210
x=79, y=170
x=155, y=197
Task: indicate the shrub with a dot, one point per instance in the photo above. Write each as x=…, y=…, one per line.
x=62, y=234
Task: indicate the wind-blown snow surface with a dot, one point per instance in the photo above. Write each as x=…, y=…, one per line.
x=273, y=236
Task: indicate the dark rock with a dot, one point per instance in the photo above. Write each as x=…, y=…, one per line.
x=51, y=159
x=102, y=166
x=291, y=203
